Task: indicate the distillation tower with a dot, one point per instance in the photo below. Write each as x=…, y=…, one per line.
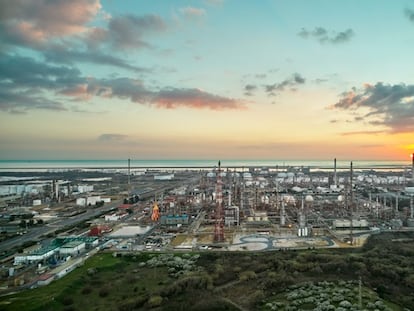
x=219, y=224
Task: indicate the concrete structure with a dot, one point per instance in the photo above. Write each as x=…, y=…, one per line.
x=84, y=188
x=93, y=200
x=172, y=220
x=164, y=177
x=72, y=248
x=90, y=242
x=81, y=201
x=130, y=231
x=232, y=216
x=113, y=217
x=36, y=256
x=346, y=224
x=45, y=279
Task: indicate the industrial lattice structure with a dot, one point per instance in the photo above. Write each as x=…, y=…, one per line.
x=219, y=214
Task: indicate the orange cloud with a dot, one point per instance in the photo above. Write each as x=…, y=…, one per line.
x=36, y=21
x=194, y=98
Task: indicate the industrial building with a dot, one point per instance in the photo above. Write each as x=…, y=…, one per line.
x=174, y=220
x=38, y=255
x=72, y=248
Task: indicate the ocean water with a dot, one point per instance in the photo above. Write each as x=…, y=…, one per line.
x=39, y=165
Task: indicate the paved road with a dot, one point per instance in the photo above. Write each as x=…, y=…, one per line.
x=36, y=232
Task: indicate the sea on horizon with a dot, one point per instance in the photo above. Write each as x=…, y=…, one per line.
x=19, y=165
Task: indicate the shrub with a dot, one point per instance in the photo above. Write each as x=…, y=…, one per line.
x=86, y=290
x=247, y=275
x=67, y=301
x=104, y=292
x=155, y=301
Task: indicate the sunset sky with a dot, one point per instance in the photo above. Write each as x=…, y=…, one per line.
x=207, y=79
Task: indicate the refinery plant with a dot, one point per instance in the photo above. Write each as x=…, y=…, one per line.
x=52, y=221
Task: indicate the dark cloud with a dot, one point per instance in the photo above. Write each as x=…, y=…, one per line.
x=111, y=137
x=17, y=102
x=25, y=72
x=292, y=82
x=127, y=31
x=124, y=88
x=249, y=89
x=169, y=98
x=410, y=14
x=324, y=36
x=26, y=84
x=25, y=81
x=382, y=104
x=62, y=55
x=298, y=78
x=61, y=32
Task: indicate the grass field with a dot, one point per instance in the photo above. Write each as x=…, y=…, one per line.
x=281, y=280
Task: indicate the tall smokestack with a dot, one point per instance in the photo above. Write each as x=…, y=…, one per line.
x=335, y=181
x=412, y=168
x=352, y=190
x=129, y=177
x=218, y=228
x=396, y=205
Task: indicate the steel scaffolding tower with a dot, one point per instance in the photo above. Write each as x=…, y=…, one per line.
x=219, y=225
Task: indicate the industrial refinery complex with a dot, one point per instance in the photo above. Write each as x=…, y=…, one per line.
x=51, y=221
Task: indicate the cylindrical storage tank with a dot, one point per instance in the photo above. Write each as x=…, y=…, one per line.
x=309, y=198
x=81, y=201
x=305, y=231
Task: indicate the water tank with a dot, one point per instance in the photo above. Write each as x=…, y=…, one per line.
x=309, y=198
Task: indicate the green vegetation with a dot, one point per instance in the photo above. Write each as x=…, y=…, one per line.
x=282, y=280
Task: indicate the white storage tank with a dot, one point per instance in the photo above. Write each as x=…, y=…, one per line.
x=81, y=201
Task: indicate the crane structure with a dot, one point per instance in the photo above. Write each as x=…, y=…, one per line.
x=219, y=214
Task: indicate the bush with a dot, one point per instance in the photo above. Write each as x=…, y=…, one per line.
x=247, y=275
x=104, y=292
x=67, y=301
x=155, y=301
x=86, y=290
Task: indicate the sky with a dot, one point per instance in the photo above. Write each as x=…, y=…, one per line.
x=208, y=79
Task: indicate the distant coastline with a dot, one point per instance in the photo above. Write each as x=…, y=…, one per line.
x=22, y=165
